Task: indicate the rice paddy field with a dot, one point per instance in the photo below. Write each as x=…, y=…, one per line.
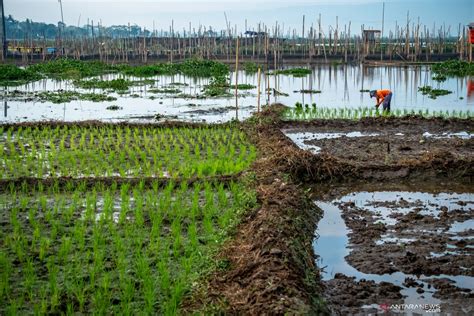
x=141, y=211
x=115, y=246
x=115, y=151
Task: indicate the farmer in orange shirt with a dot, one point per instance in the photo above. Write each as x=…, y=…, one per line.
x=383, y=96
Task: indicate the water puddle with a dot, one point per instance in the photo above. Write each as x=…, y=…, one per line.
x=462, y=135
x=419, y=242
x=303, y=139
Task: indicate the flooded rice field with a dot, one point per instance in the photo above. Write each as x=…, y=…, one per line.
x=180, y=97
x=405, y=248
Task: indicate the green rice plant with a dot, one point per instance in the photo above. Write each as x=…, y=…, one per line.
x=141, y=245
x=357, y=113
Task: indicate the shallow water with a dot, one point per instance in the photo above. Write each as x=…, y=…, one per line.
x=332, y=244
x=339, y=85
x=301, y=139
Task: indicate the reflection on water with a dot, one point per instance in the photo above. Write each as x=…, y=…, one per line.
x=339, y=85
x=332, y=244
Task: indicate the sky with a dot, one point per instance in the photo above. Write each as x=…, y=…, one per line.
x=289, y=14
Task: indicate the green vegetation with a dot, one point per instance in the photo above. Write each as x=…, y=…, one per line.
x=250, y=67
x=439, y=78
x=454, y=68
x=165, y=90
x=433, y=93
x=203, y=68
x=125, y=152
x=57, y=97
x=295, y=72
x=78, y=69
x=11, y=75
x=244, y=86
x=190, y=67
x=72, y=69
x=218, y=86
x=111, y=249
x=114, y=85
x=116, y=246
x=307, y=112
x=364, y=90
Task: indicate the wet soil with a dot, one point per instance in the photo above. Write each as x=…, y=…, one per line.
x=389, y=155
x=417, y=239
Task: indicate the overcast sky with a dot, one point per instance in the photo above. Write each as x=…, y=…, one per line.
x=288, y=13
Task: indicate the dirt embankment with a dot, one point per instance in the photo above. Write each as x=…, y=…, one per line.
x=271, y=263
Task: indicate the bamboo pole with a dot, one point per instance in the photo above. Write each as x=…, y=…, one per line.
x=237, y=79
x=258, y=89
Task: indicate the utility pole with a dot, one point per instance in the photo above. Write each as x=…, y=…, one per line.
x=4, y=32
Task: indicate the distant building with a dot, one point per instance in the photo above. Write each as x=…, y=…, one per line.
x=371, y=36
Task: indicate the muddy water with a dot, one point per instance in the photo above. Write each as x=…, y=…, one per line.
x=339, y=85
x=365, y=238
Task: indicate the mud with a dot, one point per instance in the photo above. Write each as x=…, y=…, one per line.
x=389, y=148
x=420, y=242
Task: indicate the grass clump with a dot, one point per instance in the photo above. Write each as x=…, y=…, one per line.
x=11, y=75
x=250, y=67
x=217, y=87
x=433, y=93
x=454, y=68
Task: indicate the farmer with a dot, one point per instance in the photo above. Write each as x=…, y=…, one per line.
x=383, y=96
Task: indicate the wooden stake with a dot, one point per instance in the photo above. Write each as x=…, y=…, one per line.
x=258, y=89
x=237, y=79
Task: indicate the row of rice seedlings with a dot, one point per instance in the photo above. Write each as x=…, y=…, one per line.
x=123, y=151
x=314, y=112
x=113, y=249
